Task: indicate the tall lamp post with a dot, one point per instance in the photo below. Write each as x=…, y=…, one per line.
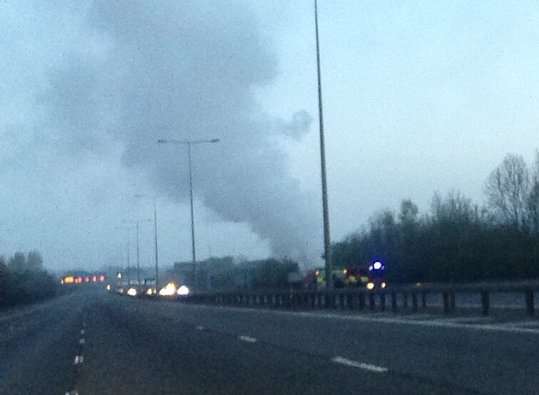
x=128, y=253
x=137, y=226
x=189, y=144
x=325, y=209
x=154, y=238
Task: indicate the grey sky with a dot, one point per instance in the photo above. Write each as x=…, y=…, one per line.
x=419, y=96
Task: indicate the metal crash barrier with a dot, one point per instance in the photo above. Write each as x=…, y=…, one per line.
x=412, y=298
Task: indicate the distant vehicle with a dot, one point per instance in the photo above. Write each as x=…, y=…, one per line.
x=70, y=279
x=172, y=290
x=370, y=276
x=169, y=290
x=148, y=288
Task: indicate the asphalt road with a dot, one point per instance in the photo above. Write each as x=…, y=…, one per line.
x=36, y=345
x=131, y=346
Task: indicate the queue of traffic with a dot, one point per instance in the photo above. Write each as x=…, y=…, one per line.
x=370, y=276
x=82, y=278
x=148, y=289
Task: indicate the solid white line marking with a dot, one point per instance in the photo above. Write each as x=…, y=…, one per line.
x=82, y=341
x=419, y=317
x=79, y=359
x=521, y=324
x=430, y=323
x=478, y=306
x=464, y=319
x=247, y=339
x=383, y=320
x=82, y=331
x=200, y=328
x=360, y=365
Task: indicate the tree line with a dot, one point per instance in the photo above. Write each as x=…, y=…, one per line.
x=23, y=279
x=458, y=240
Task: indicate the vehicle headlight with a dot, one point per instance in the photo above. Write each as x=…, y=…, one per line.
x=168, y=290
x=383, y=284
x=370, y=286
x=132, y=292
x=183, y=291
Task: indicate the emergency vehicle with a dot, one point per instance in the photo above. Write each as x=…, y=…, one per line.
x=370, y=276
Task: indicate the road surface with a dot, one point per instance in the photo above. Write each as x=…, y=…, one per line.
x=93, y=342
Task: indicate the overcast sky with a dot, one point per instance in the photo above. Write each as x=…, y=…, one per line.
x=418, y=97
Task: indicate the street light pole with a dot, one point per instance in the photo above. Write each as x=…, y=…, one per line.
x=138, y=254
x=127, y=252
x=137, y=226
x=189, y=143
x=156, y=248
x=155, y=245
x=325, y=209
x=193, y=248
x=128, y=259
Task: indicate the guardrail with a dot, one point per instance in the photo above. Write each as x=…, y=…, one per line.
x=412, y=297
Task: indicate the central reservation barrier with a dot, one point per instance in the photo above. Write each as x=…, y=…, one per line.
x=396, y=298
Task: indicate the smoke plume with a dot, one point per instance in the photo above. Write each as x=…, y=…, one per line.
x=187, y=70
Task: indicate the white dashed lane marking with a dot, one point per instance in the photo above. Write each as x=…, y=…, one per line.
x=79, y=359
x=82, y=341
x=74, y=392
x=247, y=339
x=360, y=365
x=200, y=328
x=82, y=331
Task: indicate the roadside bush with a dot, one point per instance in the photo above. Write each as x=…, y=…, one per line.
x=24, y=280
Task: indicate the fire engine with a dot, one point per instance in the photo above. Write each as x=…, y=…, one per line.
x=370, y=276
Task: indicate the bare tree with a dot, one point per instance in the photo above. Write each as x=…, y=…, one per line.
x=408, y=212
x=533, y=198
x=507, y=190
x=453, y=208
x=17, y=263
x=34, y=261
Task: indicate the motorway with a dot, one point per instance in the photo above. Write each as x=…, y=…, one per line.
x=92, y=342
